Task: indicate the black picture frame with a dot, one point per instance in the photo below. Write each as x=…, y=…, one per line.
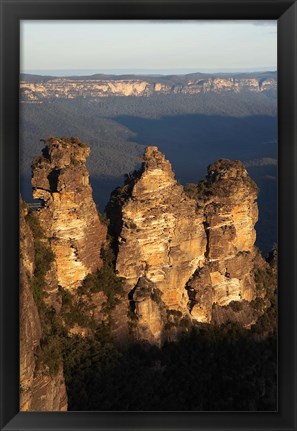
x=285, y=11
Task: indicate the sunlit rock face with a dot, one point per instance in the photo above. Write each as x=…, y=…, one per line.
x=95, y=88
x=161, y=239
x=39, y=391
x=72, y=229
x=228, y=198
x=69, y=216
x=231, y=209
x=183, y=254
x=196, y=250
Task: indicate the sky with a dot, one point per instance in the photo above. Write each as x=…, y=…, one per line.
x=148, y=46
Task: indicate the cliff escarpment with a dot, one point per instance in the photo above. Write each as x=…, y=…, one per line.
x=42, y=385
x=99, y=86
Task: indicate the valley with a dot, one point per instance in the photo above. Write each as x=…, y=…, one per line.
x=193, y=129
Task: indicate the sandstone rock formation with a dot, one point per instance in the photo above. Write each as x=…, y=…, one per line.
x=185, y=252
x=162, y=238
x=69, y=237
x=228, y=198
x=185, y=255
x=39, y=391
x=69, y=215
x=98, y=87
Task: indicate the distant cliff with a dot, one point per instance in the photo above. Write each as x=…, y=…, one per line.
x=174, y=258
x=98, y=86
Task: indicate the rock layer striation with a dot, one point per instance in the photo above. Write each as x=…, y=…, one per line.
x=98, y=87
x=39, y=391
x=69, y=215
x=162, y=238
x=185, y=255
x=186, y=251
x=228, y=198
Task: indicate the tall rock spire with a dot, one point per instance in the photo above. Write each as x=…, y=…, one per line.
x=185, y=254
x=162, y=239
x=69, y=215
x=228, y=198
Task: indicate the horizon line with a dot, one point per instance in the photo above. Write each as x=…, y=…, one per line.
x=161, y=72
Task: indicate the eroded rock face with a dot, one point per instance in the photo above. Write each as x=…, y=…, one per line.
x=38, y=390
x=228, y=198
x=150, y=316
x=231, y=209
x=96, y=88
x=196, y=249
x=183, y=255
x=30, y=327
x=49, y=392
x=69, y=217
x=162, y=238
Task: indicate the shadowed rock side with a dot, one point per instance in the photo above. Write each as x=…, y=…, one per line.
x=183, y=254
x=39, y=391
x=69, y=215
